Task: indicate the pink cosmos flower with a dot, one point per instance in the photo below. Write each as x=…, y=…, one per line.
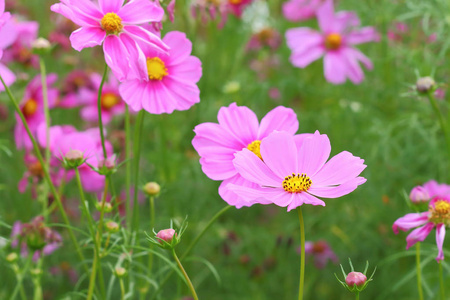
x=429, y=190
x=32, y=107
x=238, y=129
x=21, y=50
x=437, y=216
x=219, y=7
x=335, y=43
x=266, y=37
x=300, y=10
x=321, y=252
x=164, y=82
x=111, y=102
x=293, y=171
x=8, y=35
x=77, y=84
x=115, y=26
x=4, y=16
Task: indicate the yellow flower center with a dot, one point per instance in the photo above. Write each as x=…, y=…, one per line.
x=255, y=148
x=156, y=68
x=36, y=169
x=29, y=108
x=440, y=213
x=109, y=100
x=235, y=2
x=319, y=247
x=333, y=41
x=112, y=23
x=296, y=183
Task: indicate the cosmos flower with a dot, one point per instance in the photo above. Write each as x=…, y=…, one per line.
x=238, y=129
x=21, y=49
x=164, y=82
x=292, y=172
x=115, y=26
x=221, y=8
x=437, y=216
x=266, y=37
x=335, y=43
x=300, y=10
x=321, y=252
x=428, y=191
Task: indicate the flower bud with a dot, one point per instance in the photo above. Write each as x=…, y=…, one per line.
x=355, y=278
x=112, y=227
x=73, y=159
x=152, y=189
x=12, y=257
x=107, y=207
x=419, y=194
x=166, y=235
x=41, y=46
x=120, y=272
x=425, y=84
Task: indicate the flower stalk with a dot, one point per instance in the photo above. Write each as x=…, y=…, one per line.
x=302, y=253
x=188, y=281
x=419, y=273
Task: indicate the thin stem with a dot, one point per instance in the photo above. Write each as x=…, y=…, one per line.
x=137, y=157
x=302, y=254
x=440, y=117
x=46, y=173
x=20, y=276
x=84, y=206
x=37, y=288
x=441, y=281
x=357, y=295
x=99, y=108
x=122, y=289
x=128, y=164
x=47, y=127
x=152, y=225
x=19, y=285
x=419, y=273
x=92, y=278
x=189, y=283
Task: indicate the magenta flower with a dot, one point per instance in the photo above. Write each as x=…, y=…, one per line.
x=76, y=85
x=292, y=172
x=32, y=107
x=300, y=10
x=111, y=101
x=8, y=34
x=321, y=252
x=437, y=216
x=4, y=16
x=21, y=49
x=429, y=190
x=335, y=43
x=113, y=25
x=164, y=82
x=238, y=129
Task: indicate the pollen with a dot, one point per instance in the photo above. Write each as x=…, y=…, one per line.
x=296, y=183
x=109, y=100
x=333, y=41
x=112, y=23
x=29, y=108
x=255, y=148
x=440, y=212
x=156, y=68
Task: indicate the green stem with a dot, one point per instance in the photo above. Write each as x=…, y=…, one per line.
x=99, y=108
x=189, y=283
x=441, y=281
x=440, y=117
x=47, y=128
x=19, y=285
x=46, y=173
x=20, y=276
x=128, y=164
x=357, y=295
x=92, y=278
x=152, y=226
x=137, y=157
x=419, y=273
x=302, y=254
x=122, y=289
x=84, y=206
x=37, y=288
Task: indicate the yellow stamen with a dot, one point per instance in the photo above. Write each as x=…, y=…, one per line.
x=235, y=2
x=255, y=148
x=156, y=68
x=109, y=100
x=112, y=23
x=333, y=41
x=296, y=183
x=440, y=213
x=29, y=108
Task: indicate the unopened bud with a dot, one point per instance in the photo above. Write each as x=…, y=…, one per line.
x=120, y=272
x=36, y=272
x=425, y=84
x=419, y=194
x=41, y=46
x=355, y=278
x=12, y=257
x=106, y=207
x=112, y=227
x=73, y=159
x=152, y=189
x=166, y=235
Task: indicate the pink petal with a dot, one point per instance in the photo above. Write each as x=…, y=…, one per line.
x=261, y=195
x=8, y=35
x=184, y=94
x=86, y=37
x=252, y=168
x=7, y=75
x=280, y=119
x=325, y=16
x=410, y=221
x=279, y=153
x=234, y=199
x=140, y=12
x=419, y=234
x=335, y=67
x=339, y=169
x=435, y=189
x=440, y=236
x=336, y=191
x=133, y=93
x=299, y=199
x=363, y=35
x=240, y=121
x=306, y=46
x=189, y=70
x=217, y=169
x=146, y=39
x=108, y=6
x=116, y=56
x=212, y=134
x=313, y=154
x=180, y=46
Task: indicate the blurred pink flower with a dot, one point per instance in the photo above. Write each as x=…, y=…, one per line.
x=113, y=25
x=164, y=82
x=429, y=190
x=274, y=93
x=221, y=8
x=8, y=35
x=77, y=84
x=398, y=31
x=32, y=107
x=335, y=43
x=293, y=171
x=21, y=50
x=238, y=129
x=4, y=16
x=111, y=101
x=437, y=216
x=300, y=10
x=266, y=37
x=321, y=252
x=236, y=7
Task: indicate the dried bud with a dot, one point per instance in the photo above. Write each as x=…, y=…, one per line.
x=419, y=194
x=112, y=227
x=166, y=235
x=120, y=272
x=73, y=159
x=355, y=278
x=12, y=257
x=152, y=189
x=425, y=84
